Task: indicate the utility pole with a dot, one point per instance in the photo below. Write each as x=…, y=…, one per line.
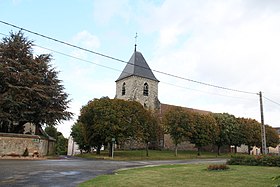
x=264, y=150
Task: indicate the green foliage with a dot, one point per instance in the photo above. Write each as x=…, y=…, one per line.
x=104, y=119
x=272, y=137
x=30, y=90
x=252, y=131
x=61, y=142
x=217, y=167
x=179, y=124
x=263, y=160
x=51, y=131
x=79, y=135
x=227, y=126
x=204, y=131
x=61, y=145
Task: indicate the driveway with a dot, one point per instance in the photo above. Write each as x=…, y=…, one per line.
x=69, y=172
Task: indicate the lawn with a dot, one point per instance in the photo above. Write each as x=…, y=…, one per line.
x=153, y=155
x=190, y=175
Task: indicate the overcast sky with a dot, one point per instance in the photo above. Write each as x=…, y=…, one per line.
x=228, y=43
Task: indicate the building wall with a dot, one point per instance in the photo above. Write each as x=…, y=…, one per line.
x=17, y=143
x=73, y=147
x=168, y=144
x=134, y=91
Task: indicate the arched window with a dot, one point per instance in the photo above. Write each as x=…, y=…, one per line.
x=123, y=89
x=146, y=89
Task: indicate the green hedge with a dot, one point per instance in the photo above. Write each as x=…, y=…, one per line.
x=262, y=160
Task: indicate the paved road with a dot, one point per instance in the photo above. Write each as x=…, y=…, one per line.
x=68, y=172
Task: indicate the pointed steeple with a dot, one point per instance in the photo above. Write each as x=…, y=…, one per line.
x=137, y=66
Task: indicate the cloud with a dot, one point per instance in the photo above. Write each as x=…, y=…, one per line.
x=232, y=44
x=86, y=40
x=105, y=11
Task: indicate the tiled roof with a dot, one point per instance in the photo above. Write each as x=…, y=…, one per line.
x=137, y=66
x=165, y=107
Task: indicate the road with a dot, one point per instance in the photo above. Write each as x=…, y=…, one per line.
x=68, y=172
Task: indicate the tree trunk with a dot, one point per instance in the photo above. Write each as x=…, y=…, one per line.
x=235, y=149
x=147, y=149
x=198, y=151
x=176, y=150
x=249, y=149
x=110, y=149
x=219, y=150
x=98, y=150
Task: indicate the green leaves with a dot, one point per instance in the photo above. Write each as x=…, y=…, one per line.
x=30, y=90
x=104, y=119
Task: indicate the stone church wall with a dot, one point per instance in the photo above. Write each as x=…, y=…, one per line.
x=134, y=91
x=169, y=145
x=17, y=143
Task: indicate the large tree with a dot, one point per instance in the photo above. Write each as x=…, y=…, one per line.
x=179, y=124
x=107, y=119
x=30, y=90
x=252, y=132
x=79, y=135
x=204, y=131
x=226, y=125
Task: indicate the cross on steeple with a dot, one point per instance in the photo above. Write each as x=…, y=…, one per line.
x=135, y=41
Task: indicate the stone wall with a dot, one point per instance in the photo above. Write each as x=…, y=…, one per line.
x=168, y=144
x=134, y=91
x=17, y=143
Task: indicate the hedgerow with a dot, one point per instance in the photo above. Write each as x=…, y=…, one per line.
x=260, y=160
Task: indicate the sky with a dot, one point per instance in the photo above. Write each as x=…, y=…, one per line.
x=233, y=44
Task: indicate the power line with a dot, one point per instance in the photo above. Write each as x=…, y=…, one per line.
x=272, y=101
x=119, y=60
x=107, y=67
x=70, y=56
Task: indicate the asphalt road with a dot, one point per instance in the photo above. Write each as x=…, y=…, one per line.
x=68, y=172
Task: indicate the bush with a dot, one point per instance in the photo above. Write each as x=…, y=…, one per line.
x=263, y=160
x=217, y=167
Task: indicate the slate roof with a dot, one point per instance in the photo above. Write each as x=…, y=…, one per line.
x=137, y=66
x=166, y=107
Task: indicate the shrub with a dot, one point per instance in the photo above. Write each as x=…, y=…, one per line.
x=263, y=160
x=217, y=167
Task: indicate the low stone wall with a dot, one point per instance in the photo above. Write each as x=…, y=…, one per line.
x=17, y=143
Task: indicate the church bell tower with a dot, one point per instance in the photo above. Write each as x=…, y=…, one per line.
x=138, y=83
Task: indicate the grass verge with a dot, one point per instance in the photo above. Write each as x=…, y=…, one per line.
x=153, y=155
x=189, y=175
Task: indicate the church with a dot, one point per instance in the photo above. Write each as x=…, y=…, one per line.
x=138, y=83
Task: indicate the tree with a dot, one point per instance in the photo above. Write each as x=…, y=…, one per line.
x=79, y=136
x=106, y=119
x=252, y=132
x=61, y=142
x=30, y=90
x=150, y=129
x=225, y=123
x=272, y=137
x=178, y=123
x=204, y=131
x=51, y=131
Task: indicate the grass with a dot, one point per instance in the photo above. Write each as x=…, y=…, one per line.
x=189, y=175
x=153, y=155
